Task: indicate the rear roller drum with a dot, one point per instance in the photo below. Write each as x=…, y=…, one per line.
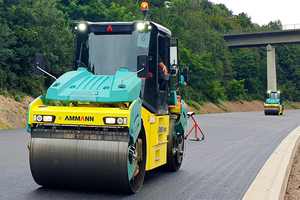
x=175, y=147
x=272, y=112
x=175, y=152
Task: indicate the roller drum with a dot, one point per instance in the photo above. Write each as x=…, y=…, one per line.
x=81, y=163
x=271, y=111
x=174, y=160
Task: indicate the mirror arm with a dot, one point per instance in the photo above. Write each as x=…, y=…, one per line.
x=122, y=85
x=48, y=74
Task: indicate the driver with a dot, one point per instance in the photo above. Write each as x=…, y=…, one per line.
x=163, y=74
x=162, y=66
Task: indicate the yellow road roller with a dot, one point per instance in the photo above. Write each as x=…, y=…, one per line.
x=122, y=116
x=274, y=103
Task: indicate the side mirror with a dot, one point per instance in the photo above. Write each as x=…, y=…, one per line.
x=39, y=66
x=39, y=62
x=174, y=51
x=142, y=66
x=185, y=74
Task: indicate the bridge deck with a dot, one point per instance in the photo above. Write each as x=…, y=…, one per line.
x=258, y=39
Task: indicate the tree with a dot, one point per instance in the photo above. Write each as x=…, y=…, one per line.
x=96, y=11
x=202, y=76
x=244, y=63
x=243, y=20
x=38, y=27
x=235, y=90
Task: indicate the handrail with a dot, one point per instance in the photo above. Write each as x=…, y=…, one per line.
x=260, y=29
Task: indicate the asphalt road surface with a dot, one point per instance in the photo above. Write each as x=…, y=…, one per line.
x=222, y=166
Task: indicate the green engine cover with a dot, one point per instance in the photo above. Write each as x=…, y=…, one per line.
x=82, y=85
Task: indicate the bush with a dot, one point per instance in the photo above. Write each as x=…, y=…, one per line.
x=201, y=103
x=18, y=98
x=3, y=92
x=193, y=104
x=291, y=104
x=236, y=91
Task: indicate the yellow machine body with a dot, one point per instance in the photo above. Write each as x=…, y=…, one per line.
x=157, y=133
x=83, y=115
x=273, y=109
x=156, y=126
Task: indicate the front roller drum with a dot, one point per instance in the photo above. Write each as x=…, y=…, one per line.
x=271, y=111
x=71, y=163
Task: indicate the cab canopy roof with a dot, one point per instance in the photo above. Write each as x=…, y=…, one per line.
x=119, y=27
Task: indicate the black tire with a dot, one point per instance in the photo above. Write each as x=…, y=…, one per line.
x=174, y=160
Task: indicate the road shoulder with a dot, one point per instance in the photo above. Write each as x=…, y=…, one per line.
x=270, y=183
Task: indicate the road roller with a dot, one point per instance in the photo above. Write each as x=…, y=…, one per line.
x=120, y=116
x=274, y=103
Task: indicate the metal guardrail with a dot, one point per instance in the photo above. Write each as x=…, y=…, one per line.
x=261, y=29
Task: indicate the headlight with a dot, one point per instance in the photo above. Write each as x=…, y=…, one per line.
x=120, y=120
x=82, y=27
x=140, y=26
x=110, y=120
x=43, y=118
x=47, y=118
x=38, y=118
x=115, y=120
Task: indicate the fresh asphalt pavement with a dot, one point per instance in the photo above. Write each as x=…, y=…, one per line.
x=222, y=166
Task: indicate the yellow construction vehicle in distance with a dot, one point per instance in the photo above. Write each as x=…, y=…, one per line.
x=274, y=103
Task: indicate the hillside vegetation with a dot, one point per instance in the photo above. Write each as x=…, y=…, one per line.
x=216, y=72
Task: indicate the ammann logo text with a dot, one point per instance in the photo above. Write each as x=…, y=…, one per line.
x=79, y=118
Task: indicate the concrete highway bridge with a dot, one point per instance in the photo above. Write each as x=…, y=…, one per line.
x=264, y=38
x=268, y=39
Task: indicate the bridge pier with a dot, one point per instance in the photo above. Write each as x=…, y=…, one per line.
x=271, y=68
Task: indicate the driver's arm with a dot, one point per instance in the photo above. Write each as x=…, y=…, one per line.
x=162, y=66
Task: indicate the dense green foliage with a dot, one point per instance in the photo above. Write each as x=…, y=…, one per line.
x=32, y=26
x=216, y=72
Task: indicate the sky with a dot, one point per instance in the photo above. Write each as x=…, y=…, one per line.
x=264, y=11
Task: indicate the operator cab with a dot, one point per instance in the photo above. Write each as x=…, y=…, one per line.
x=105, y=47
x=275, y=96
x=157, y=85
x=159, y=89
